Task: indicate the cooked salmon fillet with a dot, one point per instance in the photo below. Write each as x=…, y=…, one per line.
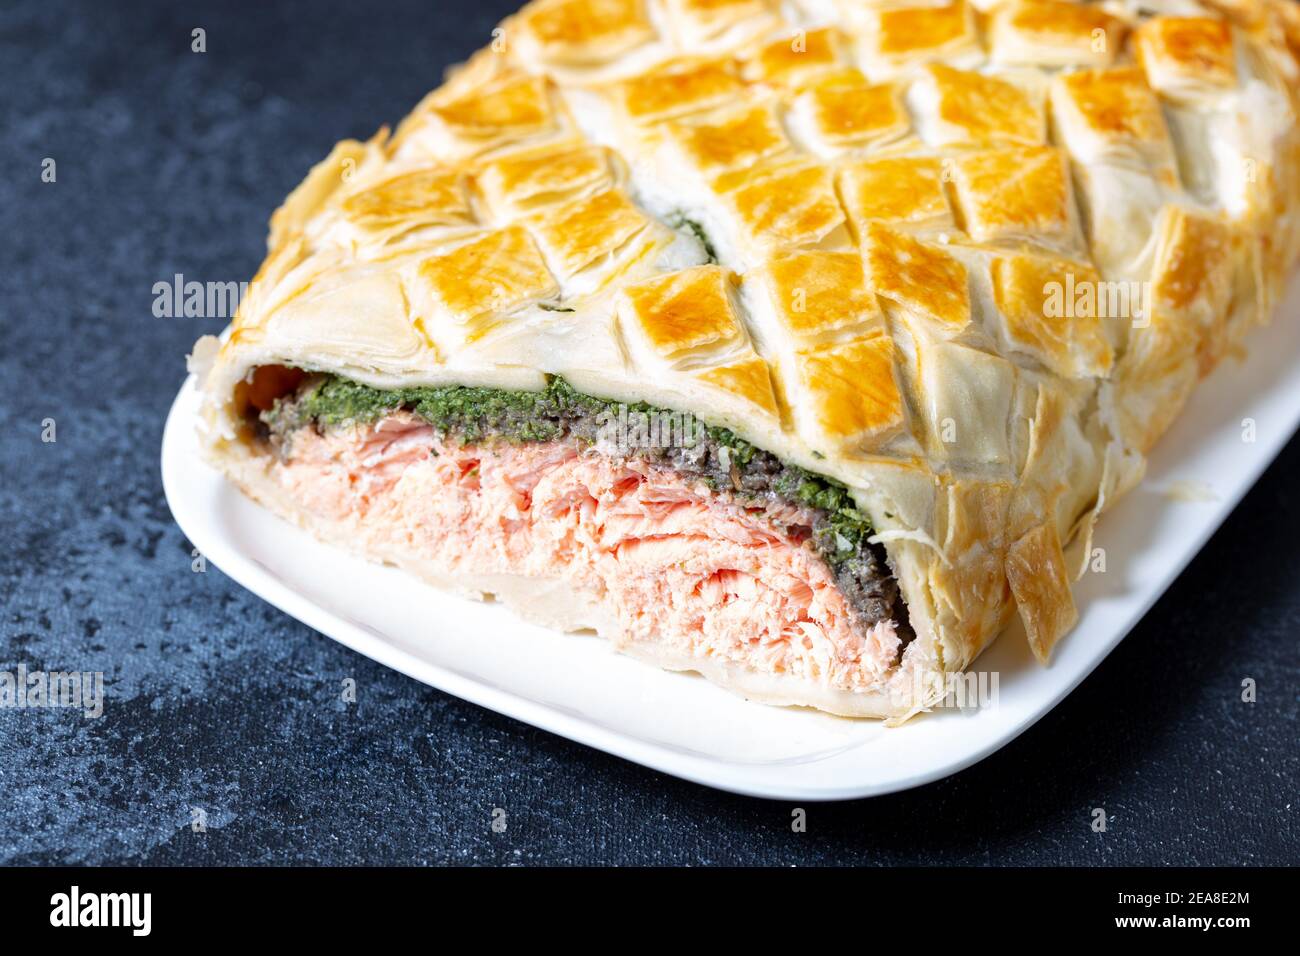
x=687, y=574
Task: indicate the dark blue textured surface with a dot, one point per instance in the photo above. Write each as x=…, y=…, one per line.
x=170, y=161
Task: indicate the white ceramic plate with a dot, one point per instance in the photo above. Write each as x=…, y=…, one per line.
x=575, y=686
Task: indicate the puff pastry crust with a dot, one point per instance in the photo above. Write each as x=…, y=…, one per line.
x=968, y=257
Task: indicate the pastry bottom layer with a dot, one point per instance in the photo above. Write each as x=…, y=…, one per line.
x=665, y=568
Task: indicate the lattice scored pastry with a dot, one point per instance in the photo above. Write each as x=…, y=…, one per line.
x=787, y=344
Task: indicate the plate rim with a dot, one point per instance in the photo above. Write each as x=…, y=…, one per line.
x=180, y=438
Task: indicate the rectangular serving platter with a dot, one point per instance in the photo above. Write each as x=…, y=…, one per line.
x=577, y=686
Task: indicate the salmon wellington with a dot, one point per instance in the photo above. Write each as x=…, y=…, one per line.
x=789, y=344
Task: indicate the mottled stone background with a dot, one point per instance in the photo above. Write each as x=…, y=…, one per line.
x=170, y=161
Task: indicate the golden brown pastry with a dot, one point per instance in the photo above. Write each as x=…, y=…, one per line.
x=786, y=343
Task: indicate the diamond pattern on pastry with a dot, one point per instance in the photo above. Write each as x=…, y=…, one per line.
x=1053, y=33
x=522, y=182
x=1187, y=57
x=682, y=314
x=903, y=190
x=490, y=275
x=887, y=241
x=1016, y=195
x=921, y=279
